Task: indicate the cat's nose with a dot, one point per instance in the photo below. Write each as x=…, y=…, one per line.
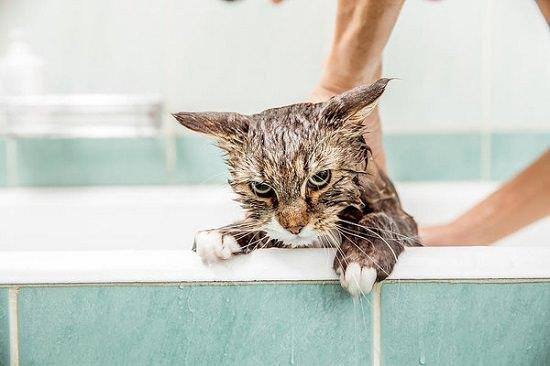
x=293, y=216
x=295, y=229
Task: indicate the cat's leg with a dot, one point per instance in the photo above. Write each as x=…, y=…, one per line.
x=220, y=244
x=368, y=252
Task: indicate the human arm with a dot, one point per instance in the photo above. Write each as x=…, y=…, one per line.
x=361, y=32
x=519, y=202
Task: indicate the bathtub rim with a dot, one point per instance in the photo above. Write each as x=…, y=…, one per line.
x=267, y=265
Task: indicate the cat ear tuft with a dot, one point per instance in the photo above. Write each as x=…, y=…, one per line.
x=355, y=104
x=221, y=125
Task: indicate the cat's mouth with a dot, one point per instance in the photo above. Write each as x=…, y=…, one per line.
x=307, y=237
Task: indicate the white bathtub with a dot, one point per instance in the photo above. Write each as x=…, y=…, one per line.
x=121, y=218
x=68, y=235
x=76, y=264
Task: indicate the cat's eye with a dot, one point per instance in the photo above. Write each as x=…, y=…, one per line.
x=319, y=179
x=261, y=189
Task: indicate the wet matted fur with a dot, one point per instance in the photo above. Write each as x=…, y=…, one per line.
x=305, y=177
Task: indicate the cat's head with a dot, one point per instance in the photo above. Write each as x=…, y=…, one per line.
x=295, y=168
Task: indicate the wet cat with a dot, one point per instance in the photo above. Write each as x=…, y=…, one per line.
x=306, y=178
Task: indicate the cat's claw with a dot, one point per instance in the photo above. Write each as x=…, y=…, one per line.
x=357, y=280
x=213, y=246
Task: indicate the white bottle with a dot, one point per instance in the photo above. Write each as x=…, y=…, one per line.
x=21, y=71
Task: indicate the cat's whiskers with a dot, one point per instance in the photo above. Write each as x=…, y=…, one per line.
x=355, y=233
x=240, y=225
x=251, y=243
x=242, y=235
x=338, y=250
x=264, y=245
x=381, y=238
x=367, y=233
x=327, y=241
x=327, y=244
x=381, y=229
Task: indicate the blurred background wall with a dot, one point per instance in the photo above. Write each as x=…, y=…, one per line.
x=473, y=101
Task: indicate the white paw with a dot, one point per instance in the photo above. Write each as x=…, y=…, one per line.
x=212, y=246
x=357, y=280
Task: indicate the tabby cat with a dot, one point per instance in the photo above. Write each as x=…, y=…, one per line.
x=306, y=178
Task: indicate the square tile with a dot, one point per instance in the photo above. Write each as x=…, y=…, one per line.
x=431, y=323
x=513, y=152
x=81, y=162
x=433, y=157
x=199, y=324
x=199, y=161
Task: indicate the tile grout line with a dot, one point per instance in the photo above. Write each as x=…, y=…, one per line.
x=376, y=336
x=13, y=293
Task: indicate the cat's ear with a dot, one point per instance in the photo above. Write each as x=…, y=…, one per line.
x=353, y=106
x=225, y=126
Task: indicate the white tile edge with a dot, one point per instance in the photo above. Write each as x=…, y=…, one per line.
x=147, y=266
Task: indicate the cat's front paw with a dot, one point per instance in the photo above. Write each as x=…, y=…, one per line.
x=213, y=245
x=357, y=279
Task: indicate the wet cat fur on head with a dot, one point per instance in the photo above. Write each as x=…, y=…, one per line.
x=284, y=147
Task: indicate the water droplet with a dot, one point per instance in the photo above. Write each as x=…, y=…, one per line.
x=422, y=359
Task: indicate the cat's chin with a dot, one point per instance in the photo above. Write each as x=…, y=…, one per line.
x=294, y=241
x=307, y=238
x=302, y=243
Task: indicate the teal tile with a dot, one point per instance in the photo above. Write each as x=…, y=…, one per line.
x=2, y=163
x=465, y=324
x=512, y=152
x=81, y=162
x=199, y=161
x=197, y=325
x=433, y=157
x=411, y=157
x=4, y=328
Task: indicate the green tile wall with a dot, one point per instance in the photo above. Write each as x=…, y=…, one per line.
x=2, y=163
x=512, y=152
x=422, y=323
x=67, y=162
x=4, y=328
x=435, y=157
x=255, y=324
x=199, y=161
x=411, y=157
x=465, y=324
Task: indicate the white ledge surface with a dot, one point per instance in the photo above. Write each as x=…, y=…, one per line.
x=143, y=266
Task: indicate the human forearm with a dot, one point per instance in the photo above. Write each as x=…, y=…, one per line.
x=519, y=202
x=362, y=30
